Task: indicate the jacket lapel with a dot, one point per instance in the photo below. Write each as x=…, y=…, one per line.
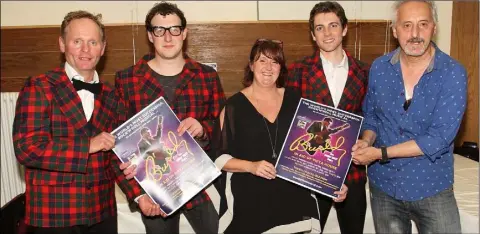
x=105, y=107
x=318, y=82
x=188, y=73
x=149, y=87
x=67, y=99
x=144, y=82
x=352, y=86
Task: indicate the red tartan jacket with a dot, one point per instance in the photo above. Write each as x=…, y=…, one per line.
x=65, y=184
x=308, y=77
x=198, y=94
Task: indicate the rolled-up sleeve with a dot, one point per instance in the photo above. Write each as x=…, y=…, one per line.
x=447, y=115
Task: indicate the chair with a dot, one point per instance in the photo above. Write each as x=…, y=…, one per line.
x=13, y=216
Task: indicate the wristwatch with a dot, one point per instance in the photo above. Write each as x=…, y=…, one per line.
x=385, y=158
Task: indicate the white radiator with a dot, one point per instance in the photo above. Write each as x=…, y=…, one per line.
x=13, y=182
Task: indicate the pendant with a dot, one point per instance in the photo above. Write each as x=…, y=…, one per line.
x=274, y=155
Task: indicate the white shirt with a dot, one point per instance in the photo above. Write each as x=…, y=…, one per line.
x=336, y=76
x=88, y=98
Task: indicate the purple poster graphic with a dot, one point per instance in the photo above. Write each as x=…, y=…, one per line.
x=318, y=148
x=170, y=168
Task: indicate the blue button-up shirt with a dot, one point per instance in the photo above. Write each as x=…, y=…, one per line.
x=432, y=121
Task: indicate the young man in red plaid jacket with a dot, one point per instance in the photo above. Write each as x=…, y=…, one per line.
x=333, y=77
x=60, y=135
x=193, y=91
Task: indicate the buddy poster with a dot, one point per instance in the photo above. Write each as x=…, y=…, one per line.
x=170, y=168
x=318, y=149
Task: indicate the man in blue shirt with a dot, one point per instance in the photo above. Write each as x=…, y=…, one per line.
x=413, y=109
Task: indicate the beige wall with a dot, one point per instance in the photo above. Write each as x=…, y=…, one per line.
x=29, y=13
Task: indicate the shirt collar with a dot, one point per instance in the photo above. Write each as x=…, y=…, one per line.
x=141, y=67
x=343, y=63
x=72, y=73
x=396, y=57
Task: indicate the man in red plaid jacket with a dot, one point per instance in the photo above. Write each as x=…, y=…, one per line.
x=60, y=135
x=333, y=77
x=193, y=91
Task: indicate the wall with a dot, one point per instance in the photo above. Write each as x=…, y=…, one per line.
x=125, y=12
x=464, y=48
x=226, y=44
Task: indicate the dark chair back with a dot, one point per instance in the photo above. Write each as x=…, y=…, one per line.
x=13, y=216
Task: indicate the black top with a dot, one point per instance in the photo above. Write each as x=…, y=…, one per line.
x=168, y=84
x=259, y=204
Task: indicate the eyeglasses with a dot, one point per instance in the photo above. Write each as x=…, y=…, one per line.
x=406, y=104
x=261, y=40
x=159, y=31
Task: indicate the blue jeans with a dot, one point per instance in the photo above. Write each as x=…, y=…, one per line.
x=435, y=214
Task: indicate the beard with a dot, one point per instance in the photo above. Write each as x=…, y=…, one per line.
x=413, y=49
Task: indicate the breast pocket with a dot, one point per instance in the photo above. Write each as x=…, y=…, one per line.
x=51, y=177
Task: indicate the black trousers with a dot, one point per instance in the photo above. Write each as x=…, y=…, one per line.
x=350, y=213
x=203, y=219
x=108, y=225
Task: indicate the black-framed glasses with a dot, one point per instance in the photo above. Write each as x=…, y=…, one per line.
x=260, y=40
x=159, y=31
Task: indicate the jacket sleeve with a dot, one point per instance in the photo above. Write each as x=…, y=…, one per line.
x=129, y=187
x=217, y=100
x=34, y=144
x=294, y=76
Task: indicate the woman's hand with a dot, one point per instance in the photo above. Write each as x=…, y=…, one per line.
x=342, y=194
x=263, y=169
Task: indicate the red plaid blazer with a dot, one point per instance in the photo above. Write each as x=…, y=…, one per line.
x=198, y=94
x=65, y=185
x=308, y=77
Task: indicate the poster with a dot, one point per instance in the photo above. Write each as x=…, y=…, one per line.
x=318, y=149
x=171, y=169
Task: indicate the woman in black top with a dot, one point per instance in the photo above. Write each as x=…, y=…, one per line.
x=251, y=131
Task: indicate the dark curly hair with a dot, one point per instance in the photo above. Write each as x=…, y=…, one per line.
x=164, y=8
x=327, y=7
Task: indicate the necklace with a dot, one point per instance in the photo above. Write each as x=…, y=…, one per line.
x=273, y=144
x=274, y=155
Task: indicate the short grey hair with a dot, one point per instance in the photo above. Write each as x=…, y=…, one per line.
x=398, y=4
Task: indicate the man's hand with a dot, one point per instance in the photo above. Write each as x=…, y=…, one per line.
x=360, y=145
x=149, y=208
x=342, y=194
x=366, y=155
x=128, y=169
x=192, y=126
x=103, y=141
x=263, y=169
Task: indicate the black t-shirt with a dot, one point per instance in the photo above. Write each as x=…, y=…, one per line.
x=168, y=83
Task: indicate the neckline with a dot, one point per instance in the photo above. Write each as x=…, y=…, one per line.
x=255, y=109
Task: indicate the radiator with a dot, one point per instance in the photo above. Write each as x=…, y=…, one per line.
x=12, y=180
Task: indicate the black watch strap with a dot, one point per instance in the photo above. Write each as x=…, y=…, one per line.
x=384, y=154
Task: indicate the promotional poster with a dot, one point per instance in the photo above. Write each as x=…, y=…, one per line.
x=318, y=149
x=170, y=168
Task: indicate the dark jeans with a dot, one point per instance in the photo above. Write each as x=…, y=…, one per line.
x=435, y=214
x=350, y=213
x=203, y=219
x=108, y=225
